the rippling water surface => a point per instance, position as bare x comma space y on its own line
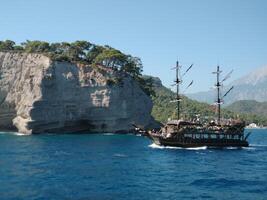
128, 167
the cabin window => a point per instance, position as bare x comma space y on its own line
205, 136
213, 136
93, 81
198, 136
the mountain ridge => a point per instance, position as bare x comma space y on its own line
249, 87
249, 107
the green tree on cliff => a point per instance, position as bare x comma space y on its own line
110, 57
133, 66
36, 46
7, 45
95, 50
76, 51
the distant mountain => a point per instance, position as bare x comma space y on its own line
250, 87
249, 107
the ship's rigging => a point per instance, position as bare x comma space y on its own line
178, 81
218, 85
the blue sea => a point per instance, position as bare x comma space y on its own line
107, 166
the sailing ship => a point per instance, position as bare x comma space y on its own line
188, 133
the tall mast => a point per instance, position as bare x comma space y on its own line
218, 85
177, 90
178, 81
219, 101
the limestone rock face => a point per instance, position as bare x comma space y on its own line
38, 95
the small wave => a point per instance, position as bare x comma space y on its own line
60, 153
155, 146
223, 182
120, 155
248, 148
201, 152
258, 145
108, 134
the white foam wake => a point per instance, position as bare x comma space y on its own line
198, 148
232, 148
155, 146
14, 133
20, 134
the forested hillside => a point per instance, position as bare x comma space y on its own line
164, 109
249, 107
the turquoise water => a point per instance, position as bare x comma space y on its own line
128, 167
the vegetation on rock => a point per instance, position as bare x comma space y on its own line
86, 53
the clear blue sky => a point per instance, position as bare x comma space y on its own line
232, 33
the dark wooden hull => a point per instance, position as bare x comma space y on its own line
219, 143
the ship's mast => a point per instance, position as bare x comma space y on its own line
178, 81
219, 100
218, 86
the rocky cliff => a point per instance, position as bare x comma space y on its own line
39, 95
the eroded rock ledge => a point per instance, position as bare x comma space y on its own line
38, 95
